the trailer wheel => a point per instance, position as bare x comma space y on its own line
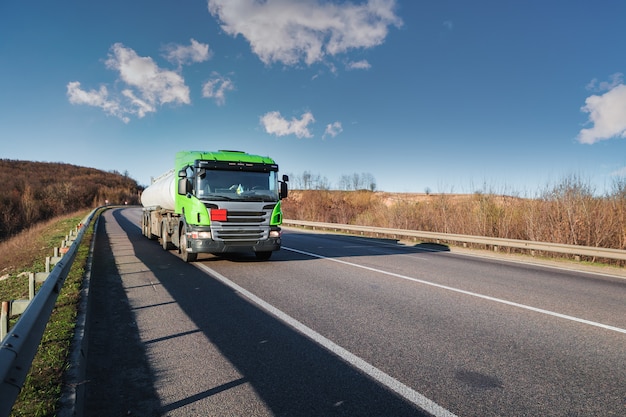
147, 231
144, 226
185, 256
167, 245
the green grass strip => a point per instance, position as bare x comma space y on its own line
41, 392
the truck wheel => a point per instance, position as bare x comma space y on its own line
147, 231
167, 245
145, 227
263, 256
185, 256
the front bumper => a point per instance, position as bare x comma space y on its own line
198, 244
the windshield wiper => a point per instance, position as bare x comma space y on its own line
216, 197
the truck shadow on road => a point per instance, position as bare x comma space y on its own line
289, 373
343, 246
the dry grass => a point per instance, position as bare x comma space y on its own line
29, 247
567, 213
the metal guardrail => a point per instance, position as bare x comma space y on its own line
19, 347
605, 253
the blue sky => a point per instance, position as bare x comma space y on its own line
451, 96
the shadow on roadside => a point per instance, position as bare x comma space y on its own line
291, 374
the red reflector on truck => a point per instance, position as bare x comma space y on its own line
218, 215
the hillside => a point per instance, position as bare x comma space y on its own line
31, 192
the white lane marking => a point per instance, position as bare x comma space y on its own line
481, 256
473, 294
386, 380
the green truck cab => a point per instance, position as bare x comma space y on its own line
216, 202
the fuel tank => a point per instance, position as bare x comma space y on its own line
161, 192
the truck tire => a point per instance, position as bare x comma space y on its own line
165, 242
185, 256
144, 226
147, 231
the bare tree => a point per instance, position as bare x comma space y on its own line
357, 181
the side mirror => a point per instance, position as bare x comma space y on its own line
284, 191
183, 186
285, 178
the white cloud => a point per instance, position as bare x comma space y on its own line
333, 130
275, 124
216, 88
154, 85
148, 86
141, 107
363, 64
616, 79
95, 98
181, 55
289, 31
607, 112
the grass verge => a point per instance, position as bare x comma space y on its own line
42, 389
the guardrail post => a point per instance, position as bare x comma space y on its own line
31, 285
52, 260
4, 320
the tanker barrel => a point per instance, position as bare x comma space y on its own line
161, 192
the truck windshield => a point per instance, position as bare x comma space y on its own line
237, 185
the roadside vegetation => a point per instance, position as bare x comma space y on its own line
37, 191
569, 212
26, 252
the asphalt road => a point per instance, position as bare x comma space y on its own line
345, 326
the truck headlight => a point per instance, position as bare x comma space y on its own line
275, 233
201, 235
204, 235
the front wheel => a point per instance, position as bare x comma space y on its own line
185, 256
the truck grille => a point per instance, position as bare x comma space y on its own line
243, 227
231, 234
245, 217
